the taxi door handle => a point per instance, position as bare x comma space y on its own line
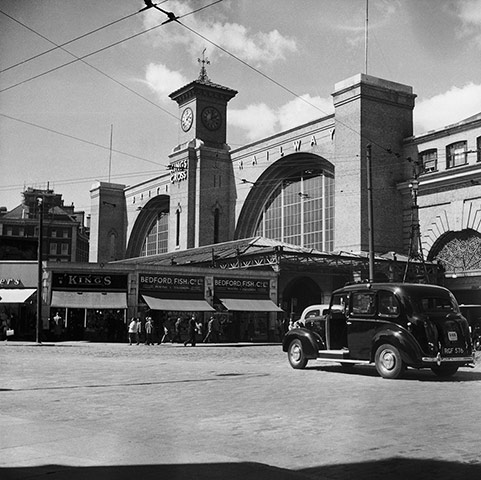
348, 323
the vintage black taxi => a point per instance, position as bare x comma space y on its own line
390, 325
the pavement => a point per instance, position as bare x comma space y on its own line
77, 410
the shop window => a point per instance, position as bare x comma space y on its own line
456, 154
429, 160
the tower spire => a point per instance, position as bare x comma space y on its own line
203, 71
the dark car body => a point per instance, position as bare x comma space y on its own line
389, 324
472, 313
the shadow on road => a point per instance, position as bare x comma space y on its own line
397, 469
424, 375
392, 469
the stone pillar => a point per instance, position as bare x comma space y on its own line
378, 112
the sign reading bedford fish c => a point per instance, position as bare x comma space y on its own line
255, 287
171, 283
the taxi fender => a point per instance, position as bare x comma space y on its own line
311, 342
406, 344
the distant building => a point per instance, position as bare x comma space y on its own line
65, 235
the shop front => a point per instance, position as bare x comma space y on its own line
18, 300
88, 305
169, 297
252, 314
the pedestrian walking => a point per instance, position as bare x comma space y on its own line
192, 330
212, 330
167, 329
149, 327
177, 328
134, 327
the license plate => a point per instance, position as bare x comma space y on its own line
453, 351
453, 336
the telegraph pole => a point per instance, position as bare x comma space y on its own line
370, 215
415, 245
38, 326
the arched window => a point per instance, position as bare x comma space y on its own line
458, 252
156, 240
300, 211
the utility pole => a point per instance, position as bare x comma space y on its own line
415, 246
370, 214
38, 326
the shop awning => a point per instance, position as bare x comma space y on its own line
250, 305
177, 305
100, 300
16, 295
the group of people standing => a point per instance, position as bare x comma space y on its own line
173, 332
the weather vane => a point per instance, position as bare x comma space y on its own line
203, 72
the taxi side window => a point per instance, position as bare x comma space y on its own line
363, 303
388, 304
312, 313
340, 303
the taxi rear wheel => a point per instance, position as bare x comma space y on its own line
445, 370
296, 356
388, 362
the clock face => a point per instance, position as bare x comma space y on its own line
211, 118
187, 118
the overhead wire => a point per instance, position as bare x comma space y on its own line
88, 142
68, 42
140, 33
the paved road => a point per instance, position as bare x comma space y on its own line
112, 411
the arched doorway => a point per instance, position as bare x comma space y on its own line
458, 252
300, 293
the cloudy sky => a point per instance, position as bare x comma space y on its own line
110, 80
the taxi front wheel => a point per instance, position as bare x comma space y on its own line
296, 356
388, 362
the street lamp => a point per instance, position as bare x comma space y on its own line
38, 325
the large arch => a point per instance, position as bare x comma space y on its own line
290, 166
144, 221
458, 252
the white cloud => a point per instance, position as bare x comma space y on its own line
261, 120
256, 47
258, 120
447, 108
300, 110
469, 11
163, 81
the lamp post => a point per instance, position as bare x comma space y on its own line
38, 326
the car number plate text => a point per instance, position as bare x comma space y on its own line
453, 336
453, 350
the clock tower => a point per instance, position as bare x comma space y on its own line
202, 193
